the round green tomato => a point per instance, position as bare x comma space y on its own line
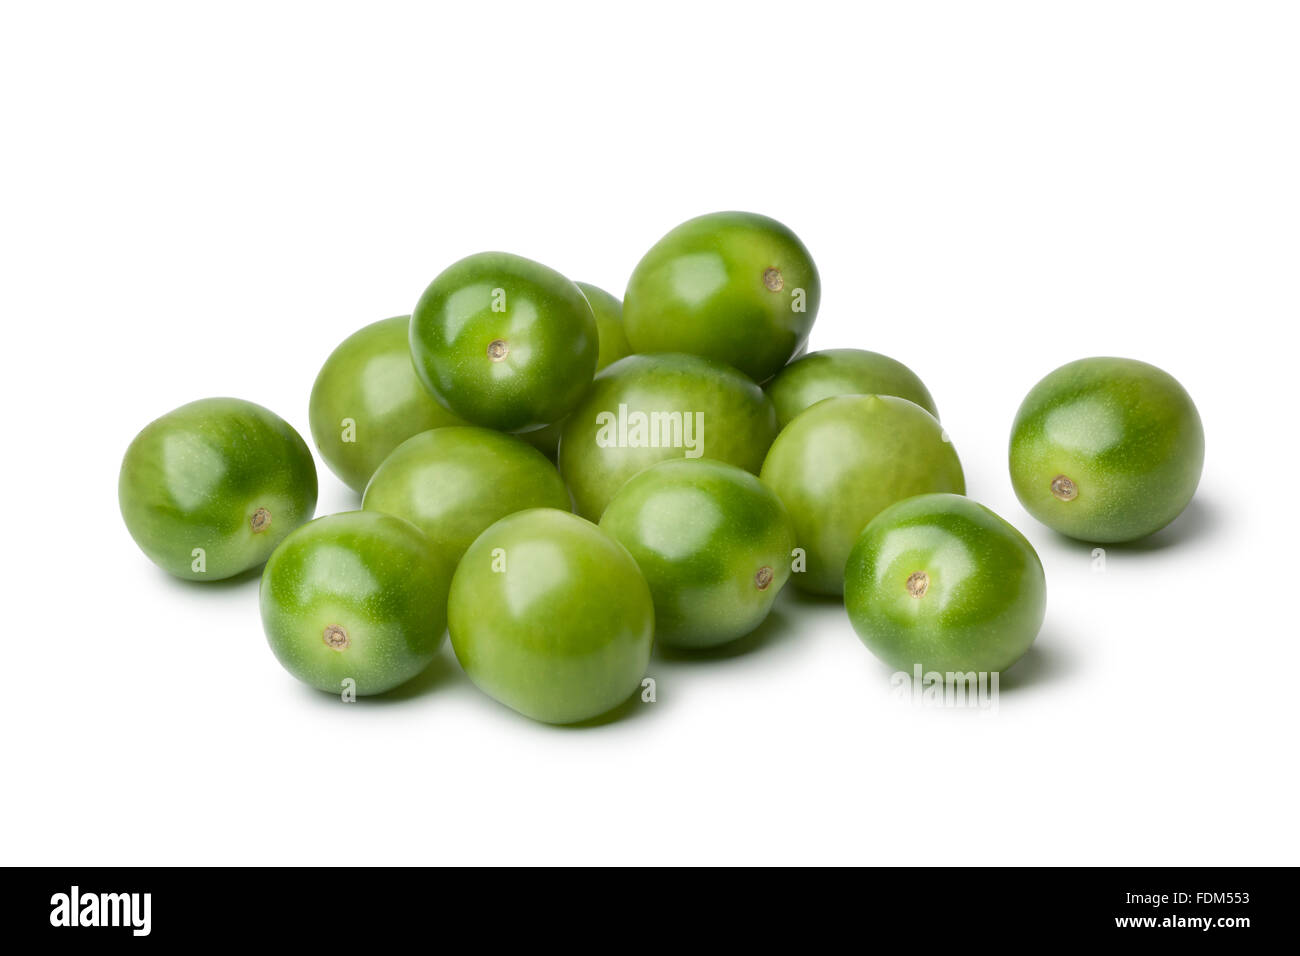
808, 380
367, 400
1106, 450
504, 342
355, 596
613, 346
452, 483
209, 489
550, 616
845, 459
713, 542
735, 287
941, 582
611, 337
648, 408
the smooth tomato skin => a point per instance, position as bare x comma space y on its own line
612, 343
978, 606
613, 346
826, 374
504, 342
453, 483
841, 462
1127, 437
367, 400
713, 542
357, 595
551, 616
222, 475
735, 287
739, 423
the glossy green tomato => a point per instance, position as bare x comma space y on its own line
452, 483
845, 459
356, 596
942, 582
209, 489
367, 400
613, 346
648, 408
611, 337
504, 342
551, 616
818, 375
713, 542
735, 287
1106, 450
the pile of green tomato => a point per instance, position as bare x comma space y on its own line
558, 479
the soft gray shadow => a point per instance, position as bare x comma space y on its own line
222, 586
800, 598
1199, 521
1045, 662
777, 627
631, 709
441, 672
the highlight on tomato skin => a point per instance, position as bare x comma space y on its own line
842, 461
208, 490
453, 483
714, 543
355, 604
613, 345
942, 583
367, 400
831, 372
504, 342
1106, 450
735, 287
551, 616
644, 409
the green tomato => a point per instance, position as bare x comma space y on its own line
452, 483
209, 489
735, 287
367, 400
610, 335
808, 380
1106, 450
942, 582
713, 542
504, 342
613, 346
841, 462
550, 616
648, 408
357, 596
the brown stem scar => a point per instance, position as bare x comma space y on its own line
497, 349
260, 520
918, 582
773, 279
763, 578
1064, 488
336, 638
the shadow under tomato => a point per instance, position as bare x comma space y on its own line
441, 672
1046, 662
631, 709
1199, 522
222, 586
780, 625
808, 599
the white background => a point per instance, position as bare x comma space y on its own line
203, 203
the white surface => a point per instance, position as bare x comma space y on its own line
205, 204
